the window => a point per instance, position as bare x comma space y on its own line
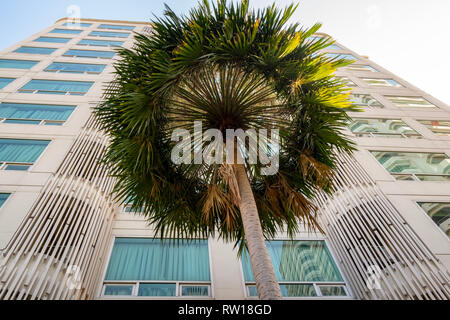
3, 198
340, 56
5, 81
439, 212
52, 40
34, 113
415, 165
74, 25
20, 155
66, 31
109, 34
65, 67
389, 128
359, 67
17, 64
303, 269
418, 102
115, 27
147, 267
79, 88
35, 50
382, 83
365, 100
348, 82
439, 127
90, 54
333, 47
100, 43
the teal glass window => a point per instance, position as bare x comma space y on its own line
34, 113
116, 27
57, 87
17, 64
52, 40
66, 31
118, 290
5, 81
421, 166
333, 47
439, 212
367, 127
298, 265
109, 34
90, 54
159, 268
382, 82
66, 67
341, 56
100, 43
155, 260
74, 25
3, 198
35, 50
21, 151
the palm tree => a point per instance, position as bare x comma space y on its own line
228, 67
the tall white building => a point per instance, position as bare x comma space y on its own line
63, 237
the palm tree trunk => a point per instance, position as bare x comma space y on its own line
266, 281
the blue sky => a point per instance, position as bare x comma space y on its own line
408, 37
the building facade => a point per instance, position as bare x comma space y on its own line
63, 237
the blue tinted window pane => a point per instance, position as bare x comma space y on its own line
109, 34
157, 290
58, 86
5, 81
118, 290
35, 50
195, 291
115, 27
90, 53
52, 39
75, 67
22, 151
66, 31
17, 167
341, 56
100, 43
154, 260
3, 197
17, 64
74, 25
334, 47
298, 290
307, 261
13, 121
35, 111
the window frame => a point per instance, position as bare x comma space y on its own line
101, 46
36, 62
428, 216
411, 176
7, 198
344, 284
43, 122
30, 165
88, 57
91, 34
75, 72
60, 93
44, 54
415, 135
134, 296
68, 39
